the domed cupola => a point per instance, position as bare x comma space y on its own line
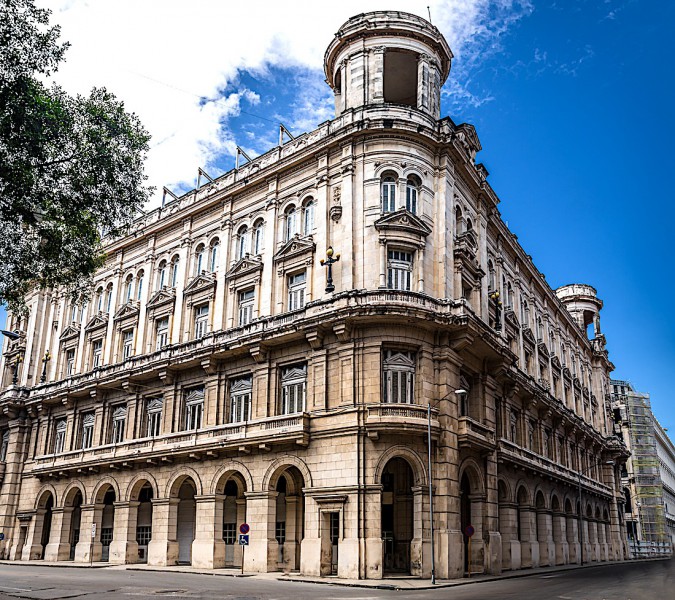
388, 57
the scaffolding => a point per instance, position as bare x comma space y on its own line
645, 466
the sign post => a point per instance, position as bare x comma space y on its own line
469, 531
244, 528
91, 546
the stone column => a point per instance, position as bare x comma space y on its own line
262, 552
508, 527
208, 547
374, 547
573, 539
163, 547
292, 528
562, 551
89, 549
58, 547
124, 548
529, 548
32, 549
241, 518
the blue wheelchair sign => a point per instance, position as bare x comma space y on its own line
243, 539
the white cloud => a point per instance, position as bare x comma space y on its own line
170, 60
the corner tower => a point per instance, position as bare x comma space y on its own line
388, 57
583, 304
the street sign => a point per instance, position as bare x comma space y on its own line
469, 531
2, 536
243, 539
244, 528
93, 531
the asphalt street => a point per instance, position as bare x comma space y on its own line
630, 581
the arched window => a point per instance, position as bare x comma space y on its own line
99, 299
388, 194
242, 242
291, 222
129, 289
469, 225
459, 225
139, 285
73, 313
308, 217
161, 275
108, 297
492, 279
175, 264
258, 240
213, 257
411, 192
200, 259
509, 295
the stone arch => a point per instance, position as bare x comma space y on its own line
569, 507
410, 456
597, 512
413, 170
41, 497
540, 499
605, 515
504, 491
230, 468
100, 490
69, 493
555, 502
138, 482
280, 465
473, 471
523, 496
177, 479
589, 511
308, 194
388, 168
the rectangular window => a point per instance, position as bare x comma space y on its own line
398, 377
399, 270
70, 362
119, 419
246, 301
60, 436
280, 532
230, 533
240, 403
97, 353
154, 411
201, 320
296, 290
4, 445
127, 343
194, 409
87, 430
293, 388
143, 535
162, 331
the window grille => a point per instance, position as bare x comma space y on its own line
230, 533
399, 270
154, 412
240, 404
296, 290
280, 532
293, 388
246, 302
194, 409
398, 377
143, 535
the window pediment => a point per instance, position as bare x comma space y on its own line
555, 361
403, 221
203, 281
244, 267
70, 332
296, 247
98, 321
543, 350
128, 311
466, 135
511, 319
528, 336
161, 302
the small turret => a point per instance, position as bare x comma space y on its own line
388, 57
583, 304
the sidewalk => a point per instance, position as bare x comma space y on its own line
390, 583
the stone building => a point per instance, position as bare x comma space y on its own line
214, 377
648, 478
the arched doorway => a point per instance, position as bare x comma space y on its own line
234, 513
75, 521
107, 523
47, 504
144, 521
186, 520
397, 515
465, 515
289, 528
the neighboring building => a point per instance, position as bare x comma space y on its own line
210, 380
666, 451
652, 455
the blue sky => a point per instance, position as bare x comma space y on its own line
572, 99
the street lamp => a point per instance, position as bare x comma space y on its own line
328, 262
45, 360
459, 392
494, 296
581, 510
13, 336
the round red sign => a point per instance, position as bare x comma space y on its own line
469, 531
244, 528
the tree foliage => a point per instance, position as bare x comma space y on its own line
70, 166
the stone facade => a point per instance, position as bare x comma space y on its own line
211, 379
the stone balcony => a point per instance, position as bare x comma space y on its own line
202, 443
400, 419
509, 452
472, 434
